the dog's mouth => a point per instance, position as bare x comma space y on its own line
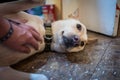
72, 41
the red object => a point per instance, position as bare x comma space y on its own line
49, 13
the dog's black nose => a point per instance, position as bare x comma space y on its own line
75, 39
72, 41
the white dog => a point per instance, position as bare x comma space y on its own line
68, 36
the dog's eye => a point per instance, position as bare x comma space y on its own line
79, 27
82, 43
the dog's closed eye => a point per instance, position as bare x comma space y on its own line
79, 27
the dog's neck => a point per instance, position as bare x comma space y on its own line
48, 37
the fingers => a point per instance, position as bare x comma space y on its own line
36, 36
33, 43
34, 30
32, 38
24, 49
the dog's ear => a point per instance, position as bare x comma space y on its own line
92, 40
75, 14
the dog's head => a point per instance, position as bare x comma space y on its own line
68, 35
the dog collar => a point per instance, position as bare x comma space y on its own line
48, 37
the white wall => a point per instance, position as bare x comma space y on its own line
99, 15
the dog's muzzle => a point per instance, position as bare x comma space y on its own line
72, 41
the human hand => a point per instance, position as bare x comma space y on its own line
22, 37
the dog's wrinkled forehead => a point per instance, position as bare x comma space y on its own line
73, 25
